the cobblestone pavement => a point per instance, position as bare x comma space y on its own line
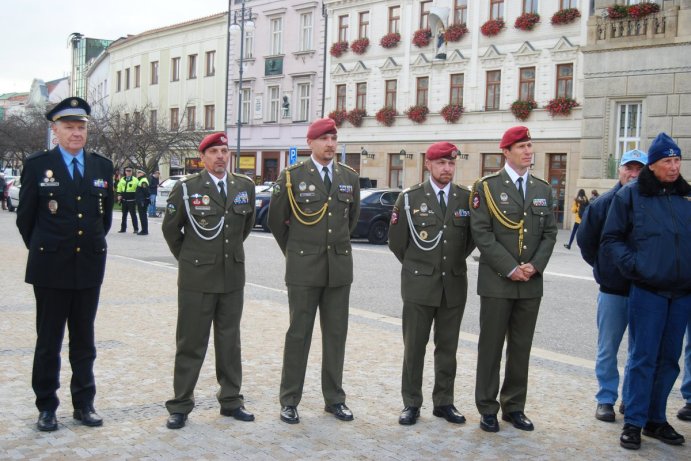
135, 331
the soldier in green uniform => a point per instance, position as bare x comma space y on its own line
208, 217
313, 210
430, 236
514, 228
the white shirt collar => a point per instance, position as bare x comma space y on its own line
216, 180
514, 176
436, 189
319, 167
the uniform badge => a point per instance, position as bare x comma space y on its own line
504, 197
302, 186
345, 188
476, 200
49, 174
423, 235
74, 103
241, 199
277, 189
312, 188
394, 216
196, 201
423, 208
53, 207
171, 209
203, 222
206, 200
539, 202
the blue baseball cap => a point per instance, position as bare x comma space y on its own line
634, 155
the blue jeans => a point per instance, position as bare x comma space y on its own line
686, 383
656, 332
152, 205
612, 320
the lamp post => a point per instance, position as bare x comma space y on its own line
240, 20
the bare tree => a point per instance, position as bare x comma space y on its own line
21, 135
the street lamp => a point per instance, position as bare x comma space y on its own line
240, 20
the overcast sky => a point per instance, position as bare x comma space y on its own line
34, 33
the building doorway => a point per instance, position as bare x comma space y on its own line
557, 180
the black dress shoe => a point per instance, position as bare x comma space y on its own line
449, 413
409, 416
489, 423
122, 231
605, 412
176, 421
239, 413
685, 412
47, 422
664, 433
340, 411
289, 414
630, 437
88, 417
519, 420
142, 233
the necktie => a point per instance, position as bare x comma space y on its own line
327, 179
520, 189
76, 175
442, 202
221, 186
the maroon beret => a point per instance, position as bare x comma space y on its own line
214, 139
320, 127
514, 135
441, 149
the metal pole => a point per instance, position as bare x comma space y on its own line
242, 53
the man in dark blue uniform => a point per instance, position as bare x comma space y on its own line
65, 212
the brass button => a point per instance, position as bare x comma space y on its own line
78, 249
80, 216
301, 252
81, 232
525, 247
79, 197
329, 231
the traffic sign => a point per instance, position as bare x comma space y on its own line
293, 158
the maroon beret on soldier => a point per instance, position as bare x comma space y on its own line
214, 139
321, 127
514, 135
441, 149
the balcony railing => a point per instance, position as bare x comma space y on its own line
659, 25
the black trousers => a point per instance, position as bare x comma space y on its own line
129, 207
142, 210
56, 308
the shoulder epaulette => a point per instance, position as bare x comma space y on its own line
292, 167
348, 167
38, 154
491, 175
412, 188
462, 187
187, 178
243, 176
539, 179
101, 156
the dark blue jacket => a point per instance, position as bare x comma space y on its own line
648, 234
606, 273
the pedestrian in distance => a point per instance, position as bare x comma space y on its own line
612, 311
3, 191
684, 412
65, 211
594, 194
208, 217
580, 203
141, 198
313, 210
127, 191
430, 235
154, 181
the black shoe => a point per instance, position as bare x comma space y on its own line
340, 411
409, 416
122, 231
176, 421
239, 413
685, 413
47, 422
136, 231
449, 413
630, 437
88, 417
605, 412
142, 233
519, 420
567, 246
289, 414
622, 408
489, 423
664, 433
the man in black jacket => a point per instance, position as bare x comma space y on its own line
65, 211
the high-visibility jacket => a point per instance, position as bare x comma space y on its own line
127, 186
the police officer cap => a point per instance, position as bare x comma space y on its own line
514, 135
662, 146
212, 140
441, 149
72, 108
321, 127
634, 155
140, 172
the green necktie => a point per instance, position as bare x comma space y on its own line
442, 202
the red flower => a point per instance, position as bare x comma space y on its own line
386, 116
390, 40
338, 116
360, 45
561, 106
492, 27
455, 32
643, 9
422, 37
527, 21
565, 16
338, 48
521, 109
617, 11
452, 112
417, 113
355, 116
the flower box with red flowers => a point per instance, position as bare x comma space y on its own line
527, 21
565, 16
338, 116
492, 27
386, 116
452, 112
356, 116
422, 37
390, 40
561, 106
417, 113
521, 109
338, 48
455, 32
617, 11
642, 10
360, 45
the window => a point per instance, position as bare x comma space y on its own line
456, 90
424, 13
493, 90
127, 78
154, 72
249, 44
460, 11
209, 117
274, 104
210, 63
137, 118
569, 4
137, 76
395, 171
361, 97
491, 163
153, 119
496, 9
340, 97
192, 66
118, 80
174, 118
343, 28
305, 31
363, 24
530, 6
175, 69
246, 105
394, 19
526, 88
303, 102
565, 81
628, 128
390, 97
191, 118
421, 91
276, 36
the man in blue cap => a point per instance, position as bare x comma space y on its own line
647, 235
65, 211
612, 312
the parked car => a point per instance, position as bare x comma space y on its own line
375, 214
263, 197
163, 191
12, 189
